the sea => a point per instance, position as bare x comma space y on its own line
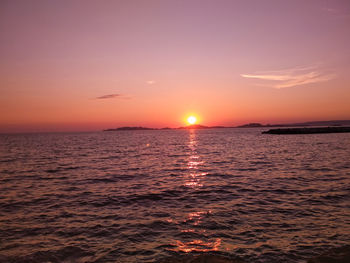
144, 196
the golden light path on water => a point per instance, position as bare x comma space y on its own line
141, 196
193, 180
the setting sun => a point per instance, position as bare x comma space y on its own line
191, 120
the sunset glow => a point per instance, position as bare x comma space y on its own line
174, 130
92, 65
192, 120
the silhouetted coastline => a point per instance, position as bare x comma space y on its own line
337, 123
194, 126
130, 129
198, 126
308, 130
252, 125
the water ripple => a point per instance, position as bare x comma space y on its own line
147, 195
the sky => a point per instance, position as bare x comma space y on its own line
91, 65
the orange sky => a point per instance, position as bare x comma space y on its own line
91, 65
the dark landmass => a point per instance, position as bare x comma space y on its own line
251, 125
130, 129
323, 123
308, 130
299, 124
194, 126
198, 126
337, 123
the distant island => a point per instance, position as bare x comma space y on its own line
337, 123
130, 129
189, 127
198, 126
298, 124
251, 125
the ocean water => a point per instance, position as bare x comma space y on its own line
140, 196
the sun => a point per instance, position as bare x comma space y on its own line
191, 120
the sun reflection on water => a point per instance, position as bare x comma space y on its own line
193, 178
197, 245
192, 223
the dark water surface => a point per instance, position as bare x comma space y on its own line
139, 196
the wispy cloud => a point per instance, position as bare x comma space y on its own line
112, 96
109, 96
291, 77
150, 82
266, 77
342, 13
330, 10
